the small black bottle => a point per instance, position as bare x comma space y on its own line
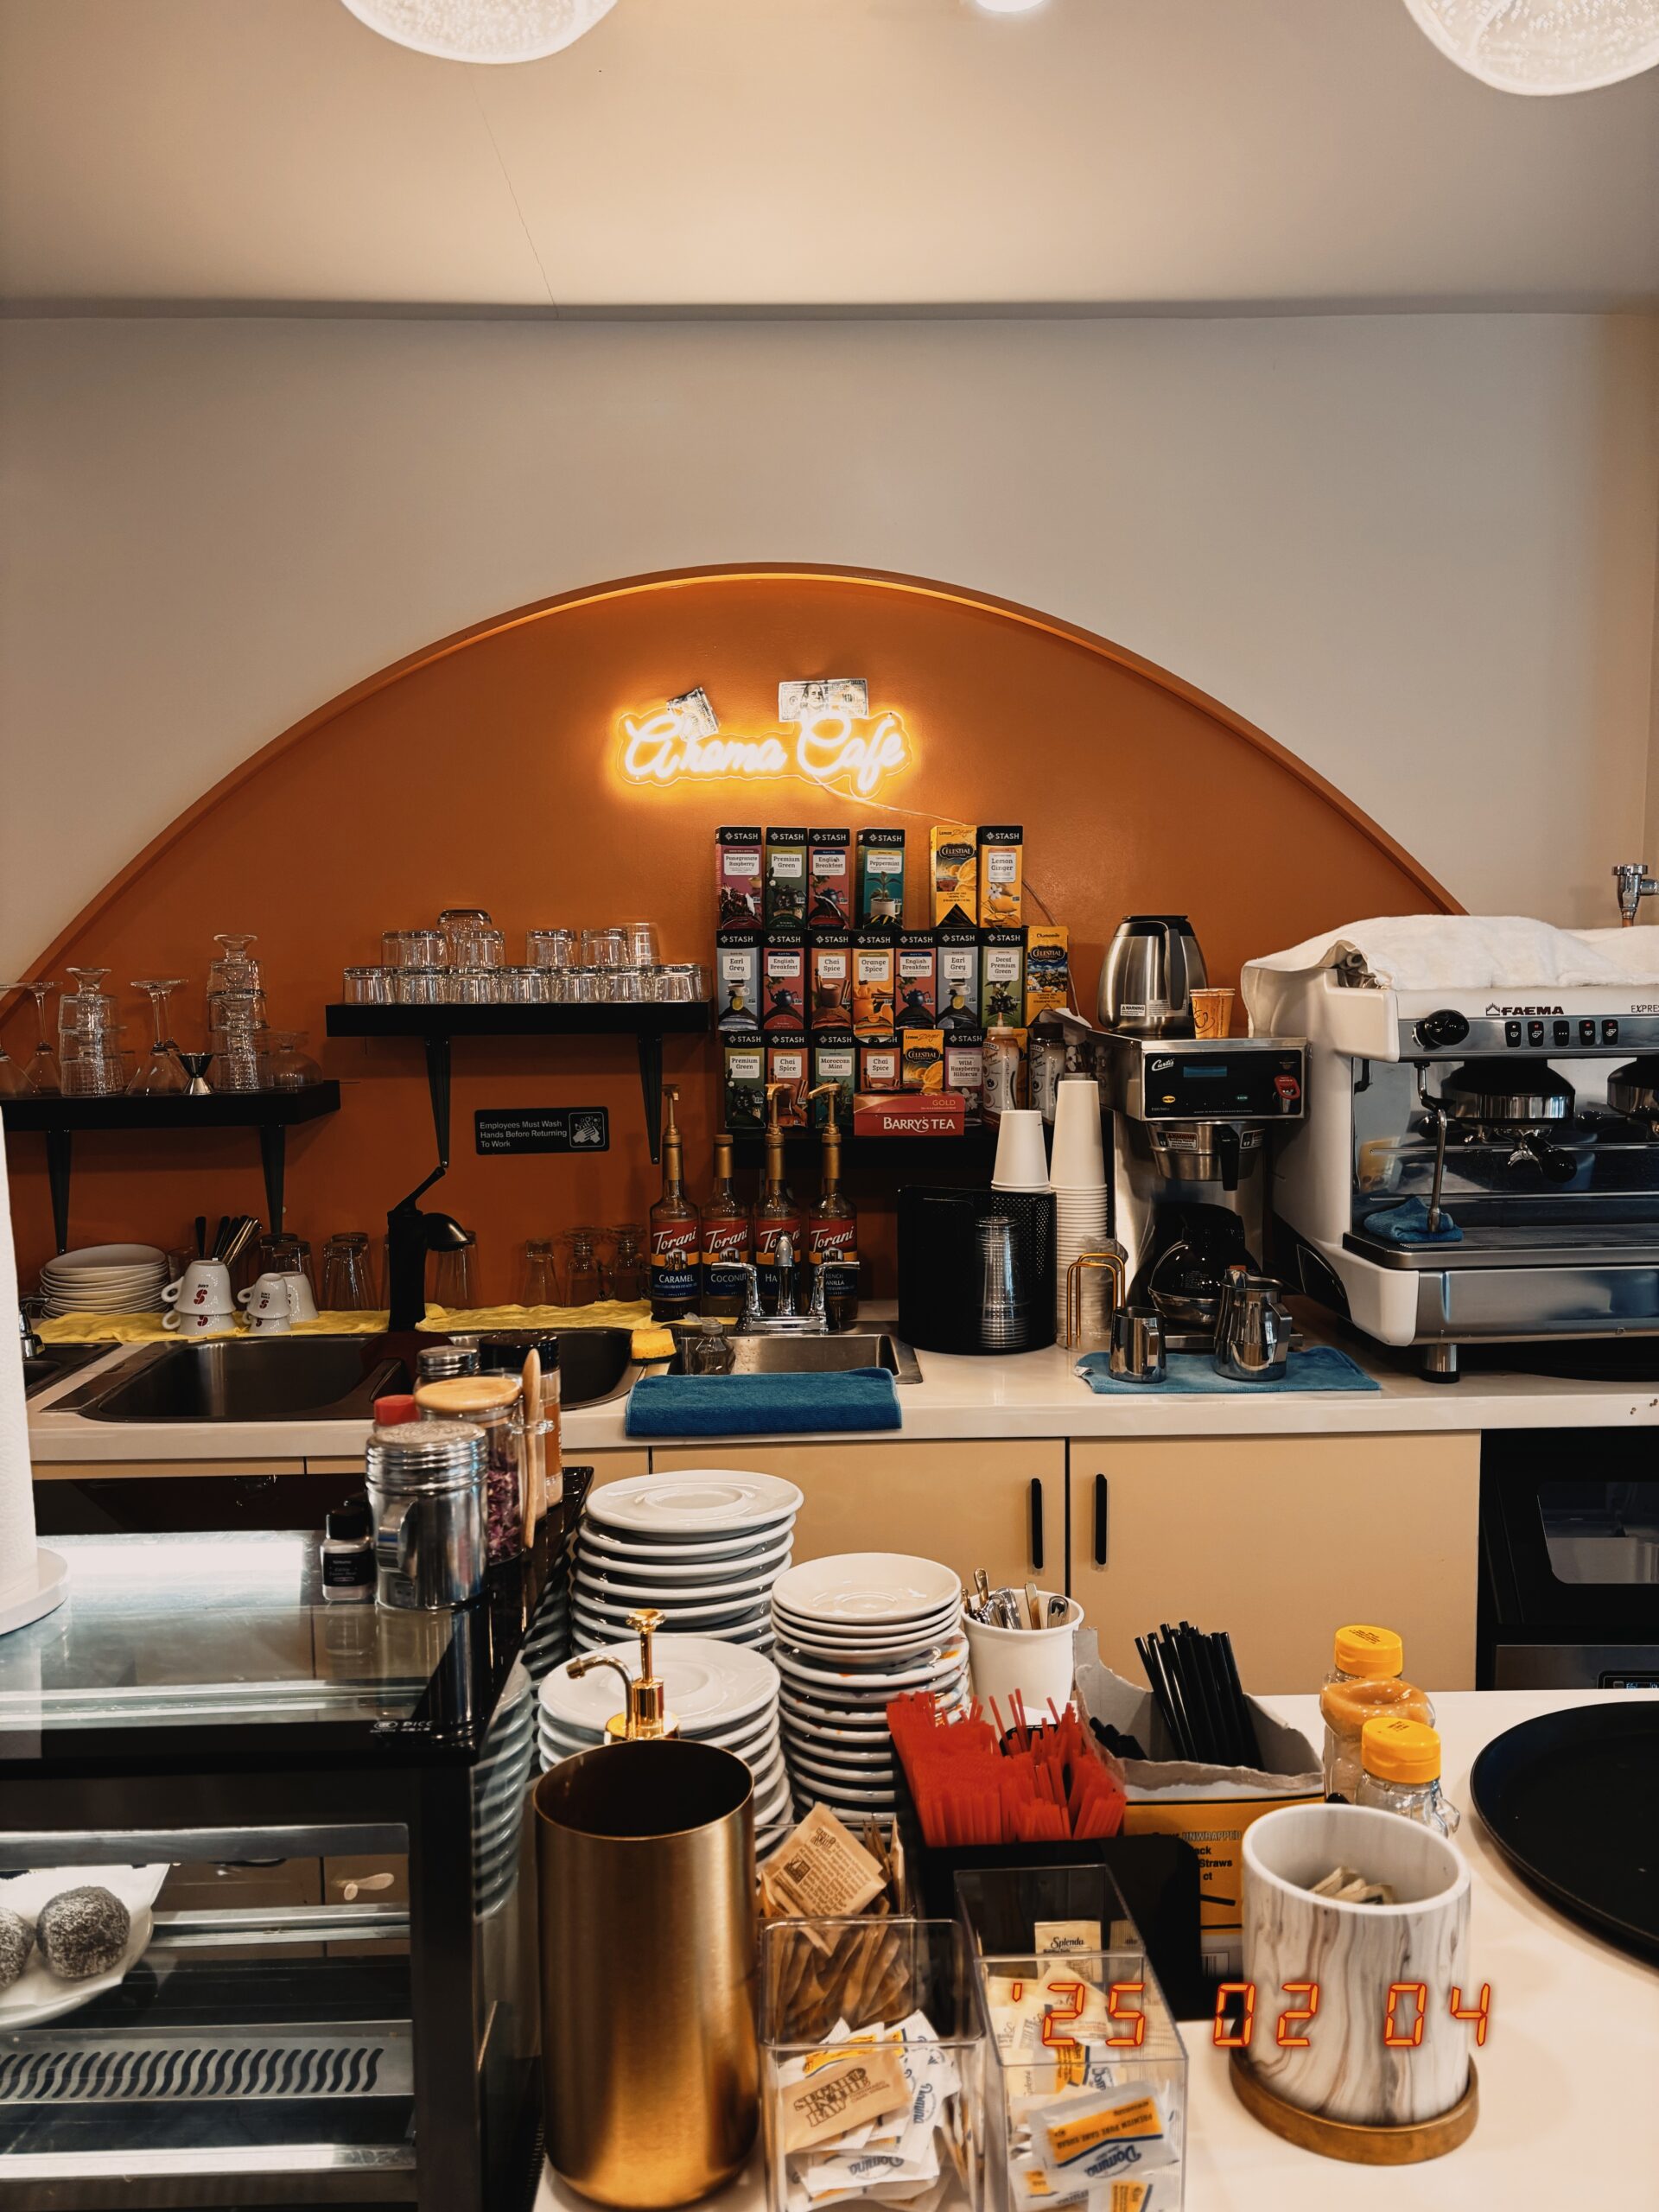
348, 1555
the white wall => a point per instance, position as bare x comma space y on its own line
1418, 550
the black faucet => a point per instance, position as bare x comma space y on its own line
410, 1235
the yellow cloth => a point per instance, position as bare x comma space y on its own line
146, 1328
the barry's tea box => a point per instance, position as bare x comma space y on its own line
880, 855
829, 879
1047, 971
1001, 875
953, 858
740, 878
786, 859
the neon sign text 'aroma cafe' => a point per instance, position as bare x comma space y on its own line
828, 745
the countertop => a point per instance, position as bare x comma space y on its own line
1026, 1394
1568, 2108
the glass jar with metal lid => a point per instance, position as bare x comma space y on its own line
492, 1401
426, 1487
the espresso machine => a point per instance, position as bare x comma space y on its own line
1190, 1123
1482, 1165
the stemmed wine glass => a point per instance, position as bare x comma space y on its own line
163, 1073
38, 1077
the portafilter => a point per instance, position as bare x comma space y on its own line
1633, 1089
1519, 1098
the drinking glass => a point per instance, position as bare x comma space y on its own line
626, 1277
425, 948
550, 948
455, 1278
421, 986
643, 950
605, 948
475, 986
235, 1063
620, 986
368, 987
235, 971
348, 1273
679, 984
12, 1074
541, 1279
460, 917
580, 986
38, 1075
523, 986
394, 948
161, 1074
583, 1283
287, 1065
93, 1066
476, 944
282, 1253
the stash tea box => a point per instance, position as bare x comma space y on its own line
880, 1067
739, 878
907, 1114
835, 1059
915, 987
1001, 875
953, 854
882, 879
830, 879
922, 1059
783, 980
737, 981
964, 1070
745, 1085
1002, 978
785, 856
957, 963
789, 1064
873, 1008
830, 956
1047, 971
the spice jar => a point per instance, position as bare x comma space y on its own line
1400, 1773
491, 1404
1366, 1678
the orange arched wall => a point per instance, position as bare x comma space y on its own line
481, 770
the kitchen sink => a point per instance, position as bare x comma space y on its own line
52, 1362
831, 1355
283, 1378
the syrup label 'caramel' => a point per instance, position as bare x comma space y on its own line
864, 2086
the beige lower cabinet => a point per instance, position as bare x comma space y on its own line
608, 1466
1280, 1540
1001, 1506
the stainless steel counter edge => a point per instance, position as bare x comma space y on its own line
1029, 1394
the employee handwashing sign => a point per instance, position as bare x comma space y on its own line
825, 735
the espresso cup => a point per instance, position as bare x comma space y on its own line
200, 1324
204, 1288
272, 1296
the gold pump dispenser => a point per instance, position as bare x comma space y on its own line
647, 1717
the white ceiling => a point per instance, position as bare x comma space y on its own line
785, 154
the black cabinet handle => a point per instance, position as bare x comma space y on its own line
1036, 1523
1100, 1520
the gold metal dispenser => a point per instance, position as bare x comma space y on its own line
644, 1850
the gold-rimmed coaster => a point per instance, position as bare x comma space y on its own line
1404, 2143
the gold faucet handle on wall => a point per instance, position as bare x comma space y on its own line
647, 1716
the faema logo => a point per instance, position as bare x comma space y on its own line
1525, 1009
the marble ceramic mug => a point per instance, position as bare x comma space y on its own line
1356, 1953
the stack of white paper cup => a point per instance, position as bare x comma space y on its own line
1078, 1172
1021, 1162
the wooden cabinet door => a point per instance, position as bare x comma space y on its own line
1280, 1540
609, 1467
998, 1506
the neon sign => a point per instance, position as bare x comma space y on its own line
821, 738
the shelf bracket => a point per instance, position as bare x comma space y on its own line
651, 1081
59, 1147
273, 1158
437, 1083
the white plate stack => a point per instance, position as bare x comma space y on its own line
105, 1278
1081, 1204
703, 1546
718, 1693
855, 1630
500, 1779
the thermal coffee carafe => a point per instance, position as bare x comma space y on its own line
1152, 967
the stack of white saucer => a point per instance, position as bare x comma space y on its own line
703, 1546
717, 1693
1077, 1175
855, 1630
105, 1278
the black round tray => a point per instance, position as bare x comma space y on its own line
1571, 1800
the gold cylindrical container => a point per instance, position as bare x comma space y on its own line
645, 1862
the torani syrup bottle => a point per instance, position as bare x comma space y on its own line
776, 1216
673, 1232
832, 1226
727, 1240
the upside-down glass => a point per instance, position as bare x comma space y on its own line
580, 986
235, 973
583, 1284
550, 948
476, 944
475, 986
348, 1273
368, 986
626, 1277
541, 1279
286, 1064
282, 1253
605, 948
455, 1278
236, 1036
644, 950
421, 986
413, 948
620, 986
524, 985
160, 1073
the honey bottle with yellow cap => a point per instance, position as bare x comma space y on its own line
1367, 1677
1399, 1763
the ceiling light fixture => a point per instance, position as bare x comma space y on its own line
1008, 7
482, 31
1544, 46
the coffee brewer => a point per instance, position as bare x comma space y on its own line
1189, 1117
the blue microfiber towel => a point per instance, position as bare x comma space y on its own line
762, 1405
1408, 1223
1192, 1373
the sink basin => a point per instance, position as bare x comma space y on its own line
281, 1378
832, 1355
51, 1365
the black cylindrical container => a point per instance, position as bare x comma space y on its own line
944, 1251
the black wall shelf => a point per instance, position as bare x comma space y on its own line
437, 1026
272, 1113
974, 1149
